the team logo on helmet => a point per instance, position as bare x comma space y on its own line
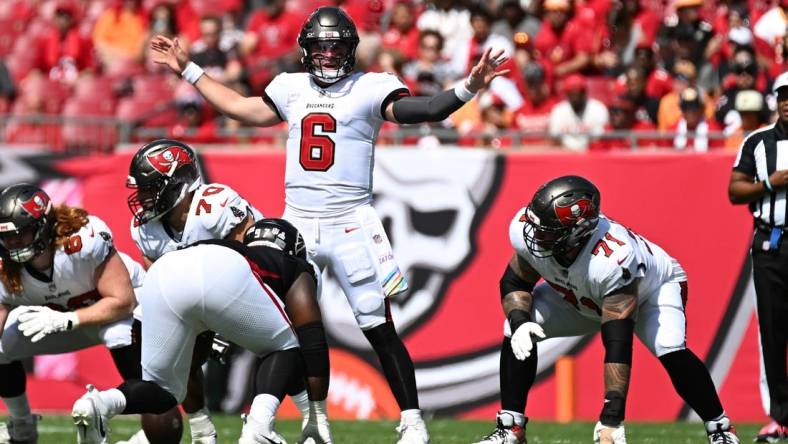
37, 205
169, 159
573, 212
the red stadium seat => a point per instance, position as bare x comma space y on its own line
153, 86
87, 134
95, 87
124, 69
147, 111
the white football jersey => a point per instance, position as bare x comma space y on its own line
611, 259
331, 138
73, 283
215, 210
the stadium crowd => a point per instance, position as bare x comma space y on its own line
587, 74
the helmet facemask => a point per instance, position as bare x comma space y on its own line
39, 234
154, 200
545, 241
329, 60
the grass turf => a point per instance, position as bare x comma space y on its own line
58, 429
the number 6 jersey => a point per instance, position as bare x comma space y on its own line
331, 138
612, 258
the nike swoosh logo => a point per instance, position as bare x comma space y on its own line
621, 261
224, 203
351, 229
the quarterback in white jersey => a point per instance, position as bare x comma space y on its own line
599, 276
64, 288
172, 209
333, 116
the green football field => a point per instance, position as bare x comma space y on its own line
58, 429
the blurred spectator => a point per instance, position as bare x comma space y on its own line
162, 21
7, 89
627, 25
270, 38
730, 34
669, 112
622, 119
633, 85
534, 115
685, 35
453, 21
495, 118
392, 61
771, 26
193, 125
749, 105
66, 50
429, 73
402, 33
482, 38
745, 76
513, 19
120, 32
692, 129
564, 41
366, 14
575, 120
658, 81
222, 64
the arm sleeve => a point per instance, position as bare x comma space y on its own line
745, 159
427, 109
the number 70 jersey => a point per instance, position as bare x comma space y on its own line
331, 137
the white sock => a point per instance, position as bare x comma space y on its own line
264, 406
711, 426
301, 400
519, 418
412, 415
18, 407
200, 423
114, 400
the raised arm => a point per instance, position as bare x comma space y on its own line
250, 110
618, 323
438, 107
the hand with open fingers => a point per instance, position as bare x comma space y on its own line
522, 343
41, 321
169, 52
485, 71
609, 435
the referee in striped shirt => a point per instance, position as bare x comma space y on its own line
760, 179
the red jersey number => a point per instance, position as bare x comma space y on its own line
317, 150
73, 244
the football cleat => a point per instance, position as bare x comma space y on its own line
413, 431
506, 431
20, 430
772, 432
90, 418
724, 436
202, 430
256, 432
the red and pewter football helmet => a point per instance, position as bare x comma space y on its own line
561, 216
328, 43
162, 172
26, 221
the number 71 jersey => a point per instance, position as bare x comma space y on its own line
331, 137
613, 257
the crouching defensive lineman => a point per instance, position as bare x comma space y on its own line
596, 271
260, 295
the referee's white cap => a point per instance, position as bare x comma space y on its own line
780, 81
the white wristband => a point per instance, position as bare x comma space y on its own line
463, 93
192, 73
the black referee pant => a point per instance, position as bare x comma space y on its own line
770, 276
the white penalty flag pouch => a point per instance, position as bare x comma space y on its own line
391, 278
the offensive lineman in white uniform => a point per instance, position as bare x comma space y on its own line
172, 208
64, 288
596, 271
261, 295
334, 115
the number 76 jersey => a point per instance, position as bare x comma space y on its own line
613, 257
331, 137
